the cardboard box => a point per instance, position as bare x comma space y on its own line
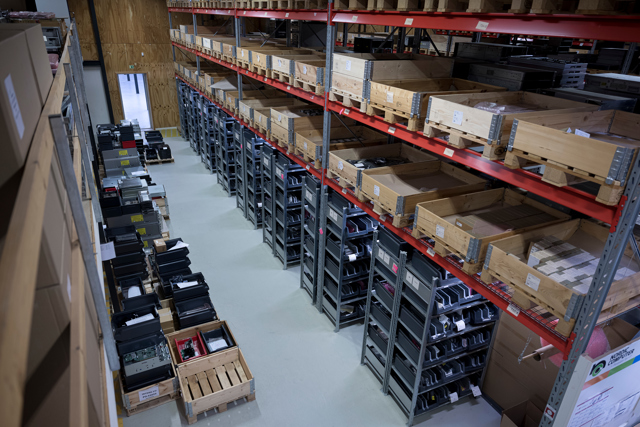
160, 245
525, 414
20, 104
38, 54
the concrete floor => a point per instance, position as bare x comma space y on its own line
306, 375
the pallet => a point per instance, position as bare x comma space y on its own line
308, 87
399, 5
478, 6
317, 164
262, 129
399, 221
260, 4
464, 140
348, 100
151, 396
159, 161
532, 288
393, 116
281, 77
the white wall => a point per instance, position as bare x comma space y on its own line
96, 96
58, 6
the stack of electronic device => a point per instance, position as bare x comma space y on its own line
171, 262
141, 344
622, 85
116, 161
191, 299
106, 136
129, 264
156, 149
127, 137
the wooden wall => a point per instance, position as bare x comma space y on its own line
135, 39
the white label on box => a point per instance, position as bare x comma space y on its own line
408, 21
354, 18
391, 130
457, 117
513, 309
460, 325
107, 251
583, 133
381, 254
416, 283
279, 62
409, 277
344, 191
242, 53
482, 25
376, 190
279, 117
286, 15
389, 96
532, 281
387, 258
333, 214
266, 161
440, 231
431, 252
309, 196
448, 152
453, 397
305, 145
347, 66
340, 165
257, 58
352, 257
15, 107
308, 167
476, 391
304, 69
149, 393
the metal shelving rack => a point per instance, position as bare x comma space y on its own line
241, 189
226, 173
193, 121
288, 179
621, 217
253, 176
183, 103
208, 135
311, 193
344, 261
268, 195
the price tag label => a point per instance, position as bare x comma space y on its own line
344, 191
448, 152
408, 21
266, 14
308, 167
513, 309
440, 231
354, 18
457, 117
482, 25
286, 15
476, 391
376, 190
392, 130
453, 397
288, 87
431, 252
333, 214
532, 281
346, 111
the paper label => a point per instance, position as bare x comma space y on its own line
145, 244
122, 153
308, 167
344, 191
340, 165
347, 111
354, 18
142, 231
305, 145
482, 25
137, 218
376, 190
304, 69
513, 309
279, 117
242, 53
286, 15
453, 397
347, 66
266, 161
352, 257
476, 391
389, 96
448, 152
583, 133
457, 117
309, 196
333, 214
460, 325
431, 252
532, 281
149, 393
408, 21
440, 231
107, 251
391, 130
257, 58
279, 62
381, 254
387, 258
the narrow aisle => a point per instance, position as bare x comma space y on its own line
305, 374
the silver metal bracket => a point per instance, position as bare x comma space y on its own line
358, 178
473, 250
252, 385
320, 76
575, 302
494, 129
426, 118
416, 103
487, 258
127, 402
189, 408
400, 205
512, 135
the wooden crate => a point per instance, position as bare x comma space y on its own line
246, 107
602, 154
151, 396
507, 261
396, 190
457, 116
309, 143
213, 382
454, 223
282, 67
232, 102
309, 75
190, 332
263, 64
399, 100
350, 175
243, 54
262, 121
399, 5
286, 121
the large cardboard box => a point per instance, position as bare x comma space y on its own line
20, 104
525, 414
38, 54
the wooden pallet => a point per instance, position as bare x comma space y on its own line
561, 175
478, 6
246, 4
262, 129
281, 77
398, 220
280, 140
399, 5
308, 87
348, 100
393, 116
260, 4
463, 140
159, 161
259, 70
151, 396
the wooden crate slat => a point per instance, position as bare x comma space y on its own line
231, 372
221, 372
204, 383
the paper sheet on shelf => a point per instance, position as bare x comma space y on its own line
140, 319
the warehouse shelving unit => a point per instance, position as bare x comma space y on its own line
288, 178
621, 217
253, 176
207, 149
310, 236
268, 195
226, 174
241, 189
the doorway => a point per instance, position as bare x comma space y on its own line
135, 98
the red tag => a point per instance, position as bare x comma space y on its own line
395, 268
281, 176
320, 231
